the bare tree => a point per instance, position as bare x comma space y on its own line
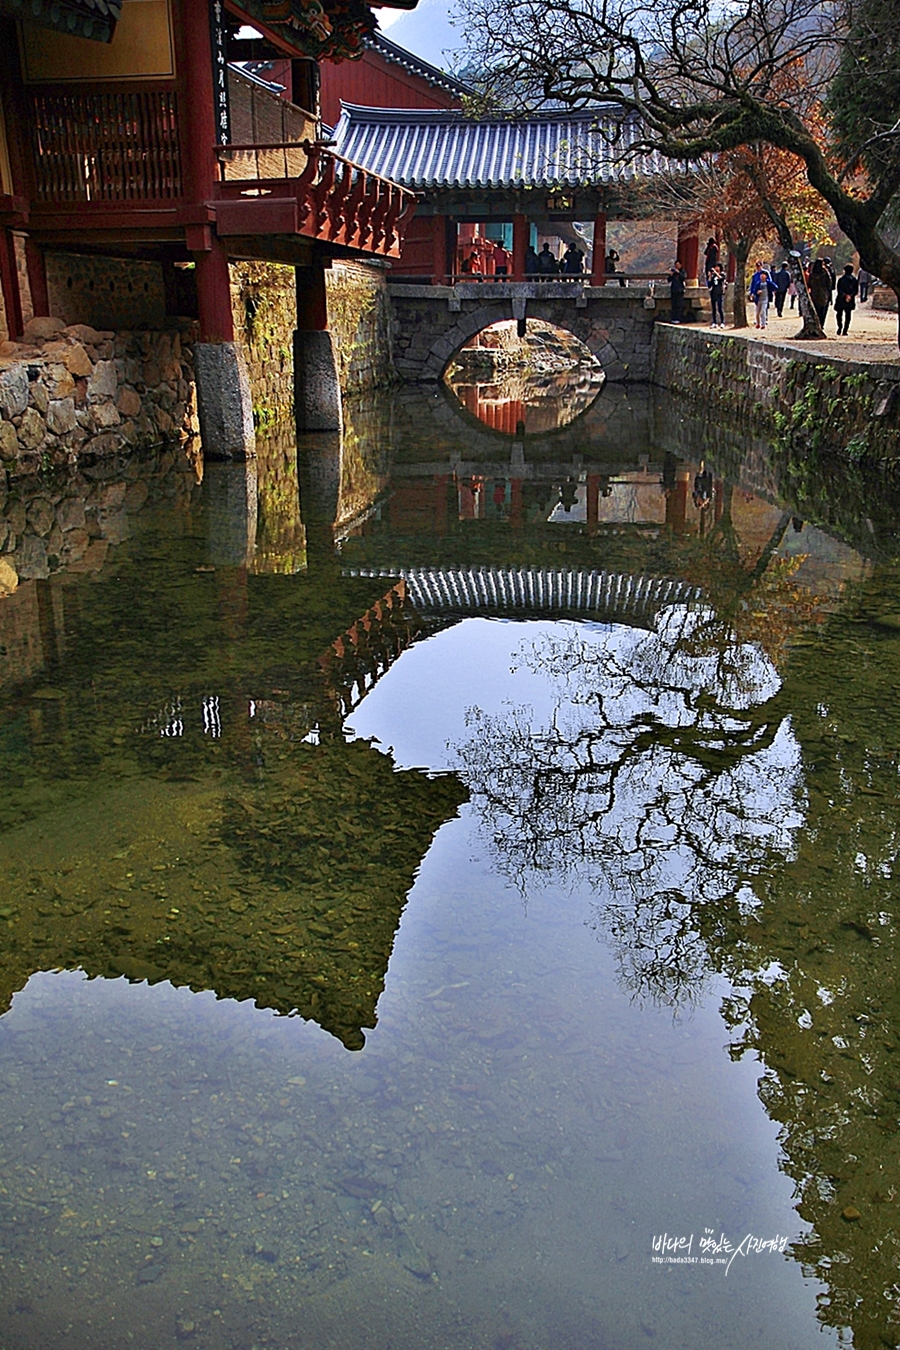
700, 80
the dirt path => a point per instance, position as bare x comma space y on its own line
873, 334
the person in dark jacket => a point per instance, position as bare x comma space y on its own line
820, 289
845, 300
677, 281
710, 256
573, 260
782, 281
716, 285
547, 264
532, 263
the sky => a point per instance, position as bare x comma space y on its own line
426, 31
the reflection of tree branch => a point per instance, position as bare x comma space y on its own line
652, 782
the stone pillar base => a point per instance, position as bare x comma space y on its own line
317, 390
224, 401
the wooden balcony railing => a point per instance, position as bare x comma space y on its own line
336, 200
111, 146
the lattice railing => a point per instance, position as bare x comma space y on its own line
111, 146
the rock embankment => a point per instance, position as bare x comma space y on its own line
69, 393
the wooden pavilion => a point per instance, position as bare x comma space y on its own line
515, 182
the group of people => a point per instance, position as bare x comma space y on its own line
546, 264
768, 286
497, 262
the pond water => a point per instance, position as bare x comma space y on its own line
447, 894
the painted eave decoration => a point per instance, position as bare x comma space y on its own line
94, 19
327, 30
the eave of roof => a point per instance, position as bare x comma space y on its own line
92, 19
398, 55
441, 148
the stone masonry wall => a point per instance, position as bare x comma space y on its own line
117, 293
70, 393
806, 401
359, 316
264, 308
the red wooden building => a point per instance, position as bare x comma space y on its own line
125, 133
387, 76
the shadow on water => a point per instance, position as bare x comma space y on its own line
698, 736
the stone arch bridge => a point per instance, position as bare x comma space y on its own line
431, 323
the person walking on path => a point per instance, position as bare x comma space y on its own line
677, 280
820, 289
782, 286
865, 280
845, 300
762, 290
716, 284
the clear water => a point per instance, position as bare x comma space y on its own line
435, 869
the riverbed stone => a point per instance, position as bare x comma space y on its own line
9, 578
103, 382
14, 390
9, 441
61, 416
41, 327
77, 362
32, 429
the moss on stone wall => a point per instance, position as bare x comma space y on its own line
264, 307
359, 316
807, 404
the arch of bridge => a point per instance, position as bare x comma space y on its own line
615, 327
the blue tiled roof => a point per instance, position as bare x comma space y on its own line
421, 148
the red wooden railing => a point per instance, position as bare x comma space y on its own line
111, 146
337, 200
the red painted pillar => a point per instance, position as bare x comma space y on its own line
598, 257
689, 250
214, 293
676, 505
312, 300
201, 170
441, 483
593, 502
37, 278
516, 504
9, 280
520, 246
439, 249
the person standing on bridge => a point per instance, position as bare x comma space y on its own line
677, 283
501, 261
547, 264
573, 261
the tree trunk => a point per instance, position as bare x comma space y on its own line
812, 328
740, 251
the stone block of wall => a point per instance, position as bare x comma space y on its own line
359, 316
264, 308
113, 293
72, 393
